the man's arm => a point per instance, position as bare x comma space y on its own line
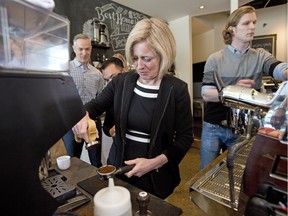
281, 71
211, 94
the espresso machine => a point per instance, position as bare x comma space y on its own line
250, 178
40, 102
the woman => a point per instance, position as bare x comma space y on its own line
152, 111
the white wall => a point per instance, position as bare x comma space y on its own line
182, 32
202, 45
275, 19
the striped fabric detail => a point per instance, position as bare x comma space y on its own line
138, 136
146, 91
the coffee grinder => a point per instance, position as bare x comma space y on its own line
103, 35
95, 24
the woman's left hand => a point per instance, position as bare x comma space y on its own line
144, 165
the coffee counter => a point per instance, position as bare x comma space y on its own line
84, 177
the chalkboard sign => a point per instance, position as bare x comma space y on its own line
118, 19
267, 42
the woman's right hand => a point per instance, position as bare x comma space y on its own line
112, 131
80, 129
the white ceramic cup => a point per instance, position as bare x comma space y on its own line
63, 162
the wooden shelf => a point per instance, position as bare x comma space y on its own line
99, 45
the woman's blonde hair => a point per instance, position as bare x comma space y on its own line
156, 33
233, 21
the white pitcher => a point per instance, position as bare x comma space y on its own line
112, 201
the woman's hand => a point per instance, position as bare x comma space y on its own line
112, 131
80, 129
144, 165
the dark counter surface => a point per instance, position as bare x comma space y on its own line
84, 177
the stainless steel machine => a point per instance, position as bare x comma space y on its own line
250, 178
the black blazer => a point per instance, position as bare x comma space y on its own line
108, 122
171, 132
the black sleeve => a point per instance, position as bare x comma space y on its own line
272, 67
108, 122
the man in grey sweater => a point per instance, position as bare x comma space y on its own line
237, 64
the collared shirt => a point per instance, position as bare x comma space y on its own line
88, 80
234, 50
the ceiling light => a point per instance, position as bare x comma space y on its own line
202, 7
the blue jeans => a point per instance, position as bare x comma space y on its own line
214, 138
74, 149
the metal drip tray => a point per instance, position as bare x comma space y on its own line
58, 188
215, 183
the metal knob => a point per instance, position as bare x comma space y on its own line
143, 199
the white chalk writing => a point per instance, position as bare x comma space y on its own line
120, 21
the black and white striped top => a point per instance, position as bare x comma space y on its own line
139, 120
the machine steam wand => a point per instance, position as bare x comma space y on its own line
256, 104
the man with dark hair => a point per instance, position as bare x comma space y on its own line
111, 68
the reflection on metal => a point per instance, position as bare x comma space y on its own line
279, 162
215, 184
32, 38
218, 187
249, 98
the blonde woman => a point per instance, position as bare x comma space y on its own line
152, 111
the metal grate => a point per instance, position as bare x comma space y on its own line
58, 188
216, 186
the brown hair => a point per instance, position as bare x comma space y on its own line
233, 21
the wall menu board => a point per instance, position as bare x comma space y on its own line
267, 42
119, 19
